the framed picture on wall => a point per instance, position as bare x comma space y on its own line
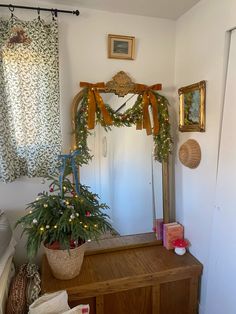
192, 99
121, 47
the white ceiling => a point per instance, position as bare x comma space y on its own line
170, 9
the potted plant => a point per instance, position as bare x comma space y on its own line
64, 219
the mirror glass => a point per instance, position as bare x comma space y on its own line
124, 174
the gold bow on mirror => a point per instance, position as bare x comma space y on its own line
94, 100
149, 98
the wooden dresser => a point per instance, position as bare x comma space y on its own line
136, 279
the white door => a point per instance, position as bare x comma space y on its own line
221, 291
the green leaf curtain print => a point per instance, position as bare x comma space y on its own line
30, 134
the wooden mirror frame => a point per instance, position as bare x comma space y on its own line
121, 85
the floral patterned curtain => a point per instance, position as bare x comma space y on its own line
30, 134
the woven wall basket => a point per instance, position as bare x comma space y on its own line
65, 266
190, 154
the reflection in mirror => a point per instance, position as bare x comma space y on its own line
122, 173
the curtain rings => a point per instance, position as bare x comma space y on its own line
39, 18
11, 8
54, 14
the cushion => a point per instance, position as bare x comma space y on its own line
5, 281
5, 233
19, 295
10, 251
33, 283
50, 303
56, 303
79, 309
16, 303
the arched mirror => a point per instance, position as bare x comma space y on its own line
123, 133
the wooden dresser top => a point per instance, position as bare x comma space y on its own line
108, 272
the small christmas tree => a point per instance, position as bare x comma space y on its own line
65, 217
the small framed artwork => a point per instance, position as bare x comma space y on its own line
192, 100
121, 47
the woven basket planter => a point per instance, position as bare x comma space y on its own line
190, 154
65, 264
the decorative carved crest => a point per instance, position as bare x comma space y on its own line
121, 85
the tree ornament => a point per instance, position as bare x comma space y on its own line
51, 189
62, 202
87, 214
35, 221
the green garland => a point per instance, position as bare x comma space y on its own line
162, 141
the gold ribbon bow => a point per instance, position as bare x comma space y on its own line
94, 100
149, 98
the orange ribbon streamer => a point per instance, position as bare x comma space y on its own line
149, 98
146, 116
94, 100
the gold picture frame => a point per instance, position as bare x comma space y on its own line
121, 47
192, 100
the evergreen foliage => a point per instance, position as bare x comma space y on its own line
64, 217
162, 141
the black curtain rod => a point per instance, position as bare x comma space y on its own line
11, 7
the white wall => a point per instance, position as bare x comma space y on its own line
201, 52
83, 57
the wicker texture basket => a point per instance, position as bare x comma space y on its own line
190, 154
65, 264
